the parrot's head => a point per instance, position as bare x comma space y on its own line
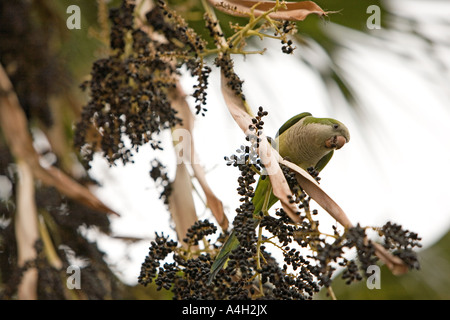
331, 133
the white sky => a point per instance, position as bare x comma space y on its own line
396, 168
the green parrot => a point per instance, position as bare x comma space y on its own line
303, 140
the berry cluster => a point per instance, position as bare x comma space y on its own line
314, 173
243, 224
199, 230
287, 46
225, 63
159, 175
201, 72
257, 126
184, 44
130, 91
212, 27
287, 27
401, 242
186, 275
159, 249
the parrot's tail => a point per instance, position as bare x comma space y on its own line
229, 245
263, 189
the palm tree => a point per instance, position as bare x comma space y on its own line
339, 52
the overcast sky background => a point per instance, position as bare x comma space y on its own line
396, 167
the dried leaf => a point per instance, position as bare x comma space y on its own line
26, 231
52, 176
15, 128
181, 202
313, 189
293, 11
212, 201
189, 155
395, 264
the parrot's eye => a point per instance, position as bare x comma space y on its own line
335, 126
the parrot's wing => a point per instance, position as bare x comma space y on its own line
261, 192
291, 122
262, 188
323, 162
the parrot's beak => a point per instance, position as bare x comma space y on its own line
336, 142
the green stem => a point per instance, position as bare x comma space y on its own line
49, 248
243, 33
258, 258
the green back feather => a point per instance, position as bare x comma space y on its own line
327, 121
291, 122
